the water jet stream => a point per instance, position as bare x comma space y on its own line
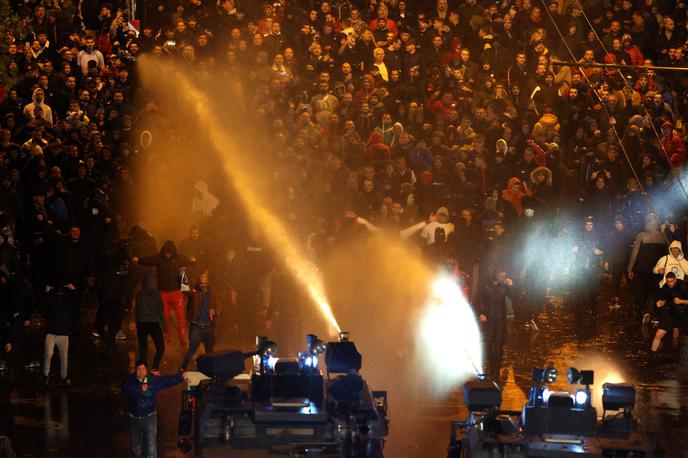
279, 238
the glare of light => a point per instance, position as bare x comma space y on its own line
283, 243
581, 398
606, 371
449, 337
546, 394
309, 361
271, 362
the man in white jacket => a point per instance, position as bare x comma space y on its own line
672, 262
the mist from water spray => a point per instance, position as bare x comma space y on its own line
449, 336
277, 235
406, 319
379, 287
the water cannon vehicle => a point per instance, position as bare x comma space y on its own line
285, 404
559, 424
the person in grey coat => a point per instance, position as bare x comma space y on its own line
648, 246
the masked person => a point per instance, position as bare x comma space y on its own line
588, 264
491, 309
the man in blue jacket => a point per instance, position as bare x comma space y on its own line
141, 388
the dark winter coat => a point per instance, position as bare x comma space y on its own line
74, 261
491, 300
168, 270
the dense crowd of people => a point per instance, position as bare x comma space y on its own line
484, 133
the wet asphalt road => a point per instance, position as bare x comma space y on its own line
89, 418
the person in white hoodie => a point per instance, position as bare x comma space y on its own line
204, 202
672, 262
38, 100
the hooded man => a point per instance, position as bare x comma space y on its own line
204, 202
514, 194
38, 100
170, 268
672, 262
430, 231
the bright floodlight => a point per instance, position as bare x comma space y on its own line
581, 398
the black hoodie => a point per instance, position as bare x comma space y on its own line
168, 269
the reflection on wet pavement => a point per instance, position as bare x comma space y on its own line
89, 418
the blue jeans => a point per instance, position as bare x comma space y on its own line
144, 434
198, 335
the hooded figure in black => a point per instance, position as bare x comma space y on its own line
491, 309
588, 266
141, 243
170, 268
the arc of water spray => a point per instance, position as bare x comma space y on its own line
279, 238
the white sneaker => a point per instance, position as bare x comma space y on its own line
533, 326
120, 336
3, 366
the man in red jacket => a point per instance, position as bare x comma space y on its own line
673, 145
